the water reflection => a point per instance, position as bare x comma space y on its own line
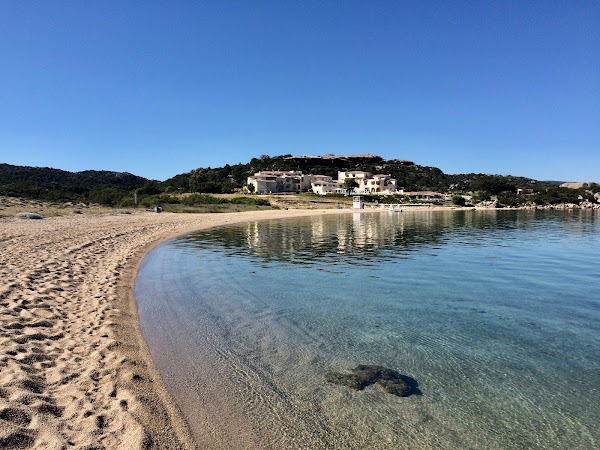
368, 238
494, 313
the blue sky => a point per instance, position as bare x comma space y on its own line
158, 88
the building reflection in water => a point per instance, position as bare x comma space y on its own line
359, 238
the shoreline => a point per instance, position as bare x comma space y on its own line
127, 330
74, 367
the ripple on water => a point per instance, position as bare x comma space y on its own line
494, 313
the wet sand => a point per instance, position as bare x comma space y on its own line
75, 371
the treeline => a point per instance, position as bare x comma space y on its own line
413, 177
92, 186
117, 189
549, 196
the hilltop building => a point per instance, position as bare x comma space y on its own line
275, 182
367, 183
368, 157
323, 185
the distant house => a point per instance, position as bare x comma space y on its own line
524, 191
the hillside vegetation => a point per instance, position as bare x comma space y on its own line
410, 176
117, 189
43, 183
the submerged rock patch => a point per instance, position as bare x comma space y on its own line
386, 379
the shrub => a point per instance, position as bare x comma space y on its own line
153, 200
250, 201
110, 196
458, 200
481, 196
202, 199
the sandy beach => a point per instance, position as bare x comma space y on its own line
74, 369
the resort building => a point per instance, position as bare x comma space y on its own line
368, 158
323, 185
275, 181
367, 183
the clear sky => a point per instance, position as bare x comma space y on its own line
158, 88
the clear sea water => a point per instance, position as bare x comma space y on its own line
496, 314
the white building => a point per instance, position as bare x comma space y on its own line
358, 202
272, 182
275, 181
367, 183
323, 185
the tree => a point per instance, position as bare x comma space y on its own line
458, 200
250, 188
350, 184
481, 196
197, 179
109, 196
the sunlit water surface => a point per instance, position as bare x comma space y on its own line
495, 314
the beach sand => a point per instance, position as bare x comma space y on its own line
75, 371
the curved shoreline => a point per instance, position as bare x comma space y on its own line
75, 369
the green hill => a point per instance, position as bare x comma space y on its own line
44, 183
410, 176
116, 188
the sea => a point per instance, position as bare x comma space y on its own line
494, 315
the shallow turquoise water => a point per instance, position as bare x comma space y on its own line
495, 314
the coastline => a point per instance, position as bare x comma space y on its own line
75, 369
